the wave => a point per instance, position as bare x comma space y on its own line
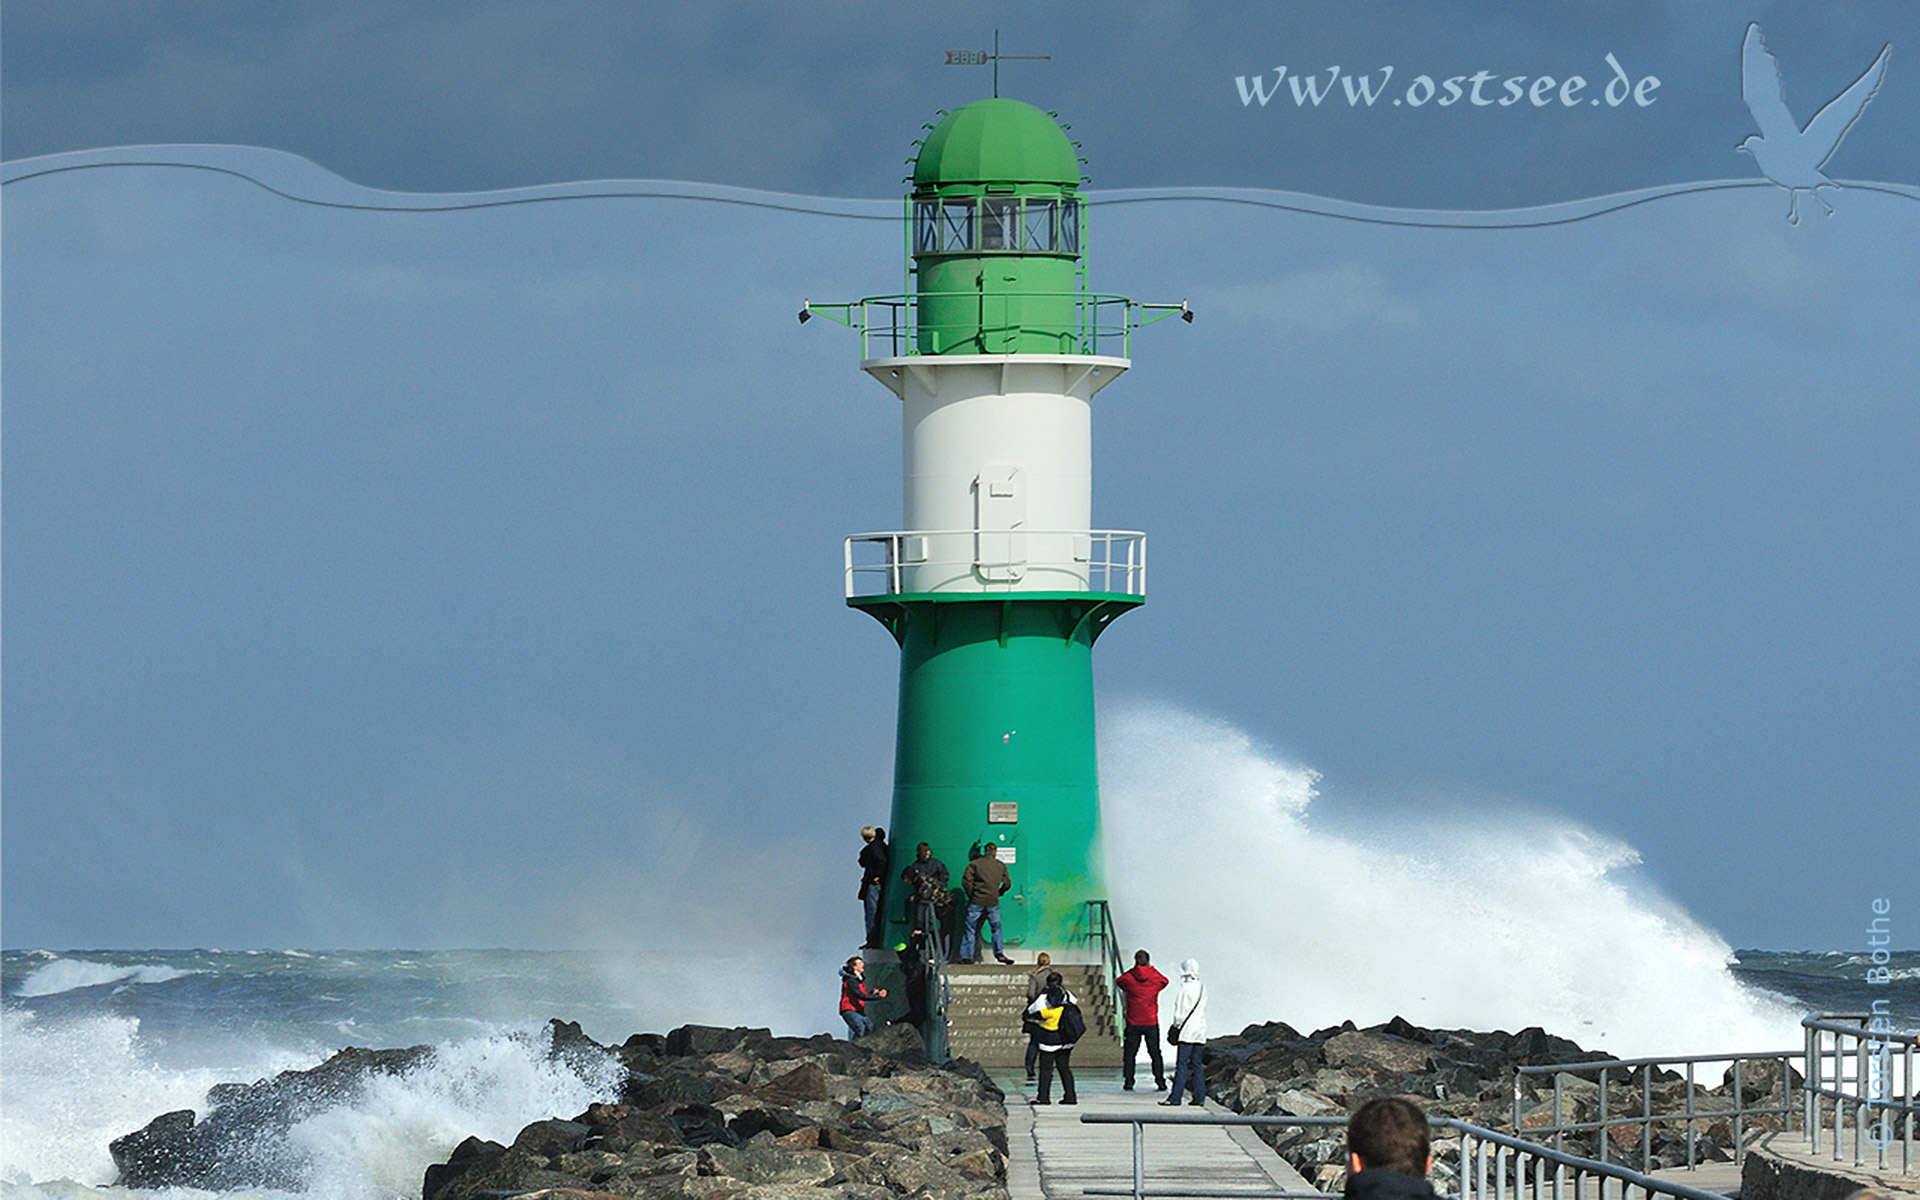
1479, 918
73, 1085
294, 178
72, 974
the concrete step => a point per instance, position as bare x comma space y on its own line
983, 1017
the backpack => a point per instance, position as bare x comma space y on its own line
1073, 1026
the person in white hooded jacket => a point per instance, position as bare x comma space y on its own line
1190, 1014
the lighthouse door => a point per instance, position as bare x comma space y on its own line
999, 521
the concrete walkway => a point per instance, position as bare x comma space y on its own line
1055, 1157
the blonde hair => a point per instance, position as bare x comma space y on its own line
867, 832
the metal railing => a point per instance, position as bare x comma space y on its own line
1101, 931
1111, 561
1855, 1061
1607, 1118
938, 983
1488, 1165
893, 326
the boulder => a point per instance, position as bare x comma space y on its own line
1375, 1051
701, 1125
808, 1081
900, 1041
1759, 1079
767, 1163
710, 1039
550, 1139
1297, 1103
240, 1143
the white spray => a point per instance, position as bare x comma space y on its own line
1484, 920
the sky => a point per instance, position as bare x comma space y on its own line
472, 578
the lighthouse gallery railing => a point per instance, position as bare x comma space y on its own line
1112, 561
892, 326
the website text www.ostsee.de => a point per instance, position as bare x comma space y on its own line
1482, 89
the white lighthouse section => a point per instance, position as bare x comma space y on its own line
997, 495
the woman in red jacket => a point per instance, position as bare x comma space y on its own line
854, 994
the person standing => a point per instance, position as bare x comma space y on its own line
1141, 987
873, 878
927, 896
1036, 984
919, 979
1190, 1022
1056, 1042
854, 994
984, 881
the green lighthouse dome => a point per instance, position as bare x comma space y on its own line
997, 141
995, 234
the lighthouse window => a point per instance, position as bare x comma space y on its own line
1040, 228
926, 227
956, 225
1070, 226
999, 224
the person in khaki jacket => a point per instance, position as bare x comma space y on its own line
984, 881
1036, 984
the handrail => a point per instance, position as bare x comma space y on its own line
1647, 1117
1103, 561
895, 320
1882, 1084
1100, 928
1473, 1175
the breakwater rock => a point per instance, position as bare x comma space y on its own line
738, 1114
700, 1113
1274, 1069
241, 1142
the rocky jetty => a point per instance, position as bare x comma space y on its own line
703, 1114
1274, 1069
738, 1114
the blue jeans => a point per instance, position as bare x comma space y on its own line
859, 1025
974, 912
870, 896
1188, 1070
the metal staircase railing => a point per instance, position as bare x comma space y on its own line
1100, 930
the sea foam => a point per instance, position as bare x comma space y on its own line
74, 1084
1479, 919
71, 974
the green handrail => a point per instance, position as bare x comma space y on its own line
1100, 929
893, 321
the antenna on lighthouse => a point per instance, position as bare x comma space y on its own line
980, 58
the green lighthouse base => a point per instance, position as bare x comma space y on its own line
996, 745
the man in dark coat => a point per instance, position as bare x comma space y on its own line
1389, 1152
984, 881
927, 896
873, 878
1142, 987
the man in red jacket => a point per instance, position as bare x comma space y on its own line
1142, 987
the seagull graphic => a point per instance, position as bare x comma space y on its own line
1787, 154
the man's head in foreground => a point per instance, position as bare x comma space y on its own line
1389, 1134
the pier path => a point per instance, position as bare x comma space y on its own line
1052, 1156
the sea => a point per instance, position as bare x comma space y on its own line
96, 1044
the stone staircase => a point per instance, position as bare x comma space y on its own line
983, 1019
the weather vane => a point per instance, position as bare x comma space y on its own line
980, 58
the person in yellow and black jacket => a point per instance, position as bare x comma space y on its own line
1060, 1025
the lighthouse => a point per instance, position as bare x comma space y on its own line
997, 584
